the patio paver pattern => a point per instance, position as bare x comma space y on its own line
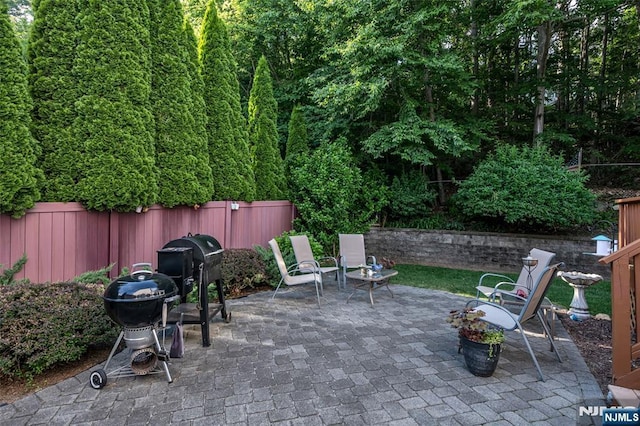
288, 362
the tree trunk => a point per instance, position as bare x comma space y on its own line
544, 40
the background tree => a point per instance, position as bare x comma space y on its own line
228, 145
18, 150
53, 88
178, 147
263, 133
297, 143
114, 120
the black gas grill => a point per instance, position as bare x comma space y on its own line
194, 261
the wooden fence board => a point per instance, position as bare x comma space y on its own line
63, 240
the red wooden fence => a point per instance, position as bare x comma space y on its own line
63, 240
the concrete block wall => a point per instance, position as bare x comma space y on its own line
480, 251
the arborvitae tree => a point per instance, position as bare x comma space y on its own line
297, 143
176, 138
226, 128
18, 150
113, 69
263, 133
198, 109
53, 89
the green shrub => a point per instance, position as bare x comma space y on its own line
242, 269
527, 190
410, 197
332, 196
42, 325
7, 274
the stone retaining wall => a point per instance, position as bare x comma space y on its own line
481, 251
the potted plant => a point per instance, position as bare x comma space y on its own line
480, 343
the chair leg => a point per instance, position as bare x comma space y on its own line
318, 291
549, 335
277, 288
533, 356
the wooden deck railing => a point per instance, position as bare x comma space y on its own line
63, 240
625, 286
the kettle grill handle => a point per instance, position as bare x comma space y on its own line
140, 268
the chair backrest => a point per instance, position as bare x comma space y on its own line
352, 250
282, 267
544, 260
302, 250
537, 294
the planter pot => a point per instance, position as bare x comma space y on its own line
481, 358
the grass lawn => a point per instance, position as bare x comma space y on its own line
463, 282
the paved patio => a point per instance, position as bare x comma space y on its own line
288, 362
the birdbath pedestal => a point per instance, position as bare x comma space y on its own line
579, 281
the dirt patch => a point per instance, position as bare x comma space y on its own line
593, 339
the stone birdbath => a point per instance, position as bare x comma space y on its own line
579, 309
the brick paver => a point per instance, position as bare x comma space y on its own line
288, 362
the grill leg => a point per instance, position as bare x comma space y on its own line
160, 349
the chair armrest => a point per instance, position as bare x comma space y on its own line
489, 274
373, 260
332, 259
304, 266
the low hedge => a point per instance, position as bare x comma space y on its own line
42, 325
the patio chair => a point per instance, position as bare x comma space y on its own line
293, 275
503, 318
508, 288
307, 262
507, 291
352, 254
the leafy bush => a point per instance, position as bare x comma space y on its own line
331, 195
526, 189
241, 269
42, 325
410, 197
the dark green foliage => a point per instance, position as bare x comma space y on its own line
410, 196
242, 269
42, 325
113, 69
527, 190
263, 133
53, 89
297, 143
19, 176
100, 276
178, 144
226, 129
331, 196
7, 275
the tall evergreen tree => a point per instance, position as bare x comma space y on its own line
114, 119
226, 128
198, 108
263, 133
18, 150
297, 143
53, 89
176, 138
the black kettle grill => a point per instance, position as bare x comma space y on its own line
194, 261
139, 303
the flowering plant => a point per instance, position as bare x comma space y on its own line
470, 326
